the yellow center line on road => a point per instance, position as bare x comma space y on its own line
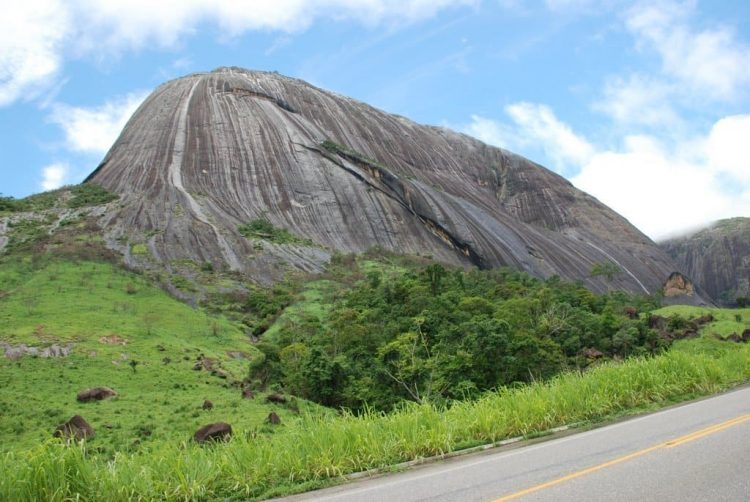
669, 444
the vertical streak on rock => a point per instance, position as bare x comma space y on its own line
175, 175
619, 265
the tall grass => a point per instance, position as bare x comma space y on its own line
324, 448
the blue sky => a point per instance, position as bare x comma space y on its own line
645, 105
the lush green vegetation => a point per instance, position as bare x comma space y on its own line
337, 149
261, 228
89, 194
424, 359
113, 318
73, 197
326, 448
429, 334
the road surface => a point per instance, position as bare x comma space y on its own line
697, 451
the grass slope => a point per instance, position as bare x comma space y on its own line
323, 449
84, 302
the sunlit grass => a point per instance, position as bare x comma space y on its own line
321, 448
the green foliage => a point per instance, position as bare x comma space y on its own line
429, 334
337, 149
741, 301
89, 194
325, 448
261, 228
125, 334
40, 201
607, 269
83, 195
24, 233
8, 204
139, 249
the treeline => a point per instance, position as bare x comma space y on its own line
433, 334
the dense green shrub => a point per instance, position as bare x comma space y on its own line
431, 334
261, 228
89, 194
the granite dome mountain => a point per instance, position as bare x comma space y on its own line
717, 258
210, 152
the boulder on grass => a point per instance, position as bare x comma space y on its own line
95, 394
248, 394
592, 353
76, 428
657, 322
273, 418
734, 337
219, 431
207, 405
276, 398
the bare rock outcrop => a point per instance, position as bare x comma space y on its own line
248, 393
15, 352
209, 152
276, 398
678, 285
717, 258
76, 428
95, 394
273, 418
219, 431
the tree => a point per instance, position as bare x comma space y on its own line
292, 359
608, 269
435, 274
323, 378
409, 362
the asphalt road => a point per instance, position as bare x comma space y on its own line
697, 451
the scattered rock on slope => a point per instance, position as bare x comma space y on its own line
95, 394
76, 428
218, 431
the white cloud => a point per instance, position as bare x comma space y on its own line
491, 132
38, 36
537, 125
659, 192
728, 148
711, 62
93, 130
53, 176
638, 100
534, 126
31, 39
662, 190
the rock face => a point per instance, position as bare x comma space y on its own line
717, 259
209, 152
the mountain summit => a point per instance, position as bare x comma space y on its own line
262, 173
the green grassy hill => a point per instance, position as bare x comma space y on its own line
125, 334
